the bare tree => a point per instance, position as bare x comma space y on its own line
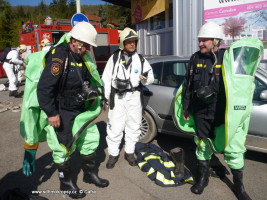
257, 16
233, 26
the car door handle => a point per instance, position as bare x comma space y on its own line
148, 93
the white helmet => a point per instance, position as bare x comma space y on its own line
210, 30
126, 34
22, 47
84, 32
45, 42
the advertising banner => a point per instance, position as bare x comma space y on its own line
239, 19
143, 9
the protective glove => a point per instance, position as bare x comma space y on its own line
28, 167
104, 103
143, 78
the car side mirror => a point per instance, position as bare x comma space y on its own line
263, 95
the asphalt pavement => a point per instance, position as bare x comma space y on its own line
126, 182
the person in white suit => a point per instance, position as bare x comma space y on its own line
123, 80
12, 59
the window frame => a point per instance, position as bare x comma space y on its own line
160, 72
167, 23
174, 62
258, 79
185, 62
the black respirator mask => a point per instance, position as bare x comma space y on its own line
122, 84
87, 93
206, 94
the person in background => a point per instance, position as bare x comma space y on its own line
23, 26
13, 59
46, 44
48, 20
28, 26
21, 68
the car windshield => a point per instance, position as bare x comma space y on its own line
263, 64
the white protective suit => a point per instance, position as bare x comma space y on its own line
10, 67
127, 112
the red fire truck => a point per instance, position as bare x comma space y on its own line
32, 34
2, 71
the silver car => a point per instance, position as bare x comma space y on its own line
169, 74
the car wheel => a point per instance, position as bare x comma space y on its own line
148, 128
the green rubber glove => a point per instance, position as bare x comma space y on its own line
28, 167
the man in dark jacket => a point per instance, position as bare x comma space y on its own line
204, 98
65, 90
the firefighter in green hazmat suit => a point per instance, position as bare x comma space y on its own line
69, 95
215, 102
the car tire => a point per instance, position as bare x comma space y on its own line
148, 128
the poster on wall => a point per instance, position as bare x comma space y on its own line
239, 18
144, 9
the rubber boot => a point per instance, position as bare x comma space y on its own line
239, 189
112, 161
15, 94
203, 177
91, 172
130, 158
177, 156
66, 183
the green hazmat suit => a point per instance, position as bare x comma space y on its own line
240, 62
34, 126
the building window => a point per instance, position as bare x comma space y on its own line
171, 15
162, 20
158, 21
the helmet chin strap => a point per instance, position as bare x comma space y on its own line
215, 42
129, 53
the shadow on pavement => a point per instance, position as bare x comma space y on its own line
43, 172
100, 152
167, 142
44, 168
218, 168
256, 156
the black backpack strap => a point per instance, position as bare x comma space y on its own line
112, 93
140, 85
64, 76
115, 58
142, 62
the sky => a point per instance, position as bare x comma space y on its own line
47, 2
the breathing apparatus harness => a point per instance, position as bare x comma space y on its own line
78, 96
87, 93
120, 83
205, 93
